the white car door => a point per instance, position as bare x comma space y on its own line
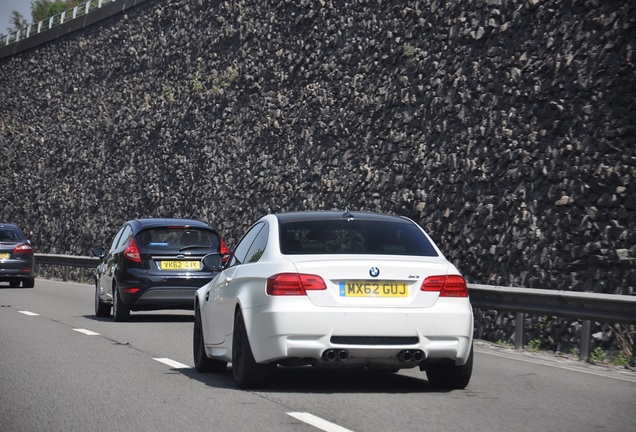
222, 298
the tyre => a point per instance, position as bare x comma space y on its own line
14, 283
247, 373
120, 311
28, 283
448, 376
201, 361
102, 309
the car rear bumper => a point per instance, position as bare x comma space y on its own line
161, 293
163, 298
15, 271
370, 337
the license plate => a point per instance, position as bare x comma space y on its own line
4, 255
180, 265
374, 289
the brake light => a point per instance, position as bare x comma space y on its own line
132, 251
294, 284
447, 286
23, 248
131, 290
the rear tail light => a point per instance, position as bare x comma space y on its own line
132, 251
131, 290
294, 284
23, 248
447, 286
224, 251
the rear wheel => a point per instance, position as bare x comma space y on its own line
449, 376
120, 311
101, 309
28, 283
247, 373
201, 361
14, 283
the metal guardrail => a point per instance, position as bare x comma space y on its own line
588, 307
55, 20
67, 262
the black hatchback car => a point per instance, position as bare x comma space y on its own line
16, 257
154, 264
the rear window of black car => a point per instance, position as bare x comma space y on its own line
178, 239
11, 235
354, 237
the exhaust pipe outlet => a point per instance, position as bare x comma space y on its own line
418, 356
329, 355
405, 356
343, 355
409, 356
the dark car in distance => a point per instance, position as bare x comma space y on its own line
154, 264
16, 257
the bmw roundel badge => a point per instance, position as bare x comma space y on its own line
374, 272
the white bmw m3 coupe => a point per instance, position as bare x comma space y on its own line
334, 290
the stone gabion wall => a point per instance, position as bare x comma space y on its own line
505, 128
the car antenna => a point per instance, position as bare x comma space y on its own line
347, 214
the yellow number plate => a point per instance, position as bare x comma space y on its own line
4, 256
180, 265
374, 289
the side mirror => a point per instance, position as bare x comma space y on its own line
99, 252
212, 261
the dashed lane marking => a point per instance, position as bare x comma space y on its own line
29, 313
172, 363
321, 424
87, 332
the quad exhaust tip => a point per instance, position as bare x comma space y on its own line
410, 356
331, 355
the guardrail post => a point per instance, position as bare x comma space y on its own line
65, 273
520, 320
586, 339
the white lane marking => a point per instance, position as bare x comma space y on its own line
318, 422
87, 332
29, 313
172, 363
573, 368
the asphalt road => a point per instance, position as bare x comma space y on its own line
63, 369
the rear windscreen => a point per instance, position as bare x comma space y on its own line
11, 235
354, 237
178, 240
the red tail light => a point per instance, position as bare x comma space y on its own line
223, 249
447, 286
23, 248
294, 284
132, 251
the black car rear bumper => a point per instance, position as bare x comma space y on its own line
162, 293
164, 298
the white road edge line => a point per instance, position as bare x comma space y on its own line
172, 363
318, 422
29, 313
572, 368
87, 332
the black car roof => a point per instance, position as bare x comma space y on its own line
139, 224
7, 225
337, 215
10, 225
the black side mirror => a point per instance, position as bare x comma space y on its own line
99, 252
212, 261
